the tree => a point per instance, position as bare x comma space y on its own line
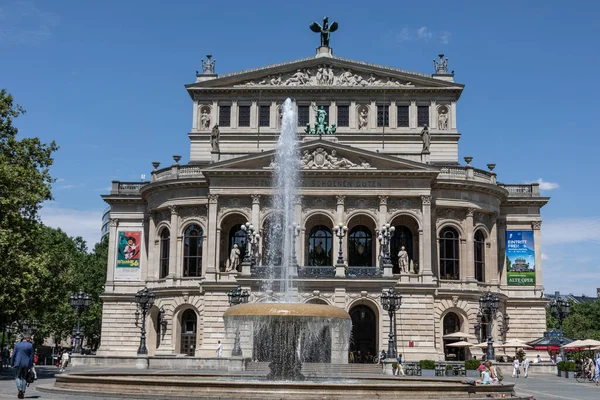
583, 321
25, 183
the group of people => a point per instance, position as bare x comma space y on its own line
591, 368
489, 375
517, 367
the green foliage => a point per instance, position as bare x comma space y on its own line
449, 367
395, 365
472, 364
584, 321
427, 364
551, 322
566, 365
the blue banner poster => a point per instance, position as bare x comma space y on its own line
520, 258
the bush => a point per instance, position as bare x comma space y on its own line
427, 364
395, 365
449, 367
560, 365
472, 365
569, 365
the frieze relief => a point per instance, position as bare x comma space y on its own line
193, 212
357, 203
409, 204
325, 75
327, 204
235, 203
483, 218
160, 216
449, 214
321, 158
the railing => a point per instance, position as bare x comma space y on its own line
523, 190
316, 272
166, 174
126, 187
453, 172
189, 170
363, 272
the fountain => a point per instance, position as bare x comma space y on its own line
287, 324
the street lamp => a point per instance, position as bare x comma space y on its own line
505, 327
79, 302
340, 231
237, 296
296, 232
560, 309
248, 229
489, 305
29, 328
391, 301
384, 237
144, 300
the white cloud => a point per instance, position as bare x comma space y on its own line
546, 185
22, 22
571, 230
72, 186
422, 33
445, 38
84, 223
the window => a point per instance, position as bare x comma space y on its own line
343, 116
403, 120
237, 236
383, 116
451, 323
319, 246
403, 236
224, 115
303, 115
422, 115
165, 244
192, 251
449, 261
360, 247
479, 256
189, 322
244, 116
264, 119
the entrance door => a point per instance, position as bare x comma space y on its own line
188, 332
363, 344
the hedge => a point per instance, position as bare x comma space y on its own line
427, 364
472, 364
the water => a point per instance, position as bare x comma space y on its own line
286, 178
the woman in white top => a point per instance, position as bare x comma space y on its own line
515, 368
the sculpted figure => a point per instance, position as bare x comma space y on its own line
363, 118
443, 121
403, 259
341, 163
204, 120
299, 78
426, 138
214, 138
234, 259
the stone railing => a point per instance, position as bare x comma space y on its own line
522, 190
467, 173
126, 187
176, 171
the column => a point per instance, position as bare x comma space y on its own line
174, 269
234, 115
340, 201
151, 265
500, 272
372, 115
425, 267
352, 115
332, 113
393, 114
453, 115
469, 273
491, 266
273, 115
255, 216
213, 239
433, 115
311, 112
412, 114
537, 245
195, 112
253, 115
112, 237
214, 114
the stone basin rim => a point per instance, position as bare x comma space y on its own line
286, 310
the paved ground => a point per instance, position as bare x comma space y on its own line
540, 387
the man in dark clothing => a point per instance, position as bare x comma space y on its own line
22, 360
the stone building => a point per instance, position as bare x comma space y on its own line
393, 159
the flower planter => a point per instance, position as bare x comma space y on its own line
559, 373
428, 373
567, 374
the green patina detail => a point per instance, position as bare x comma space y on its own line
321, 127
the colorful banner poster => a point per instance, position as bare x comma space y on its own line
520, 258
128, 255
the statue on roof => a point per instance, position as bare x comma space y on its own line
321, 127
324, 30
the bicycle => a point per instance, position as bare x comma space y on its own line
582, 376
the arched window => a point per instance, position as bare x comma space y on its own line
192, 251
165, 243
402, 237
188, 332
360, 247
319, 246
479, 256
449, 261
451, 323
237, 236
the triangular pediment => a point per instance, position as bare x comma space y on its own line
324, 155
320, 72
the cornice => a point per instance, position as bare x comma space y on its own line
455, 184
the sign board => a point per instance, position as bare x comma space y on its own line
520, 258
128, 258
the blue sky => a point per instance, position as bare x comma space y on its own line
105, 80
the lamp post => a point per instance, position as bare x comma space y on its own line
384, 237
489, 305
560, 309
296, 232
144, 300
237, 296
79, 302
478, 325
248, 229
505, 327
391, 301
340, 231
29, 328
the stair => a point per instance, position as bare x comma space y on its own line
319, 369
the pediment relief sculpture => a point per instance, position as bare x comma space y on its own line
321, 158
325, 75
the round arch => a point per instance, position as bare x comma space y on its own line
185, 338
361, 241
365, 331
318, 240
317, 300
463, 322
406, 235
227, 222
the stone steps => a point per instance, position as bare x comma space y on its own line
323, 368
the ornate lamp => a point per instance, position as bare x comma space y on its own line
384, 238
340, 231
79, 302
144, 300
560, 308
489, 305
391, 302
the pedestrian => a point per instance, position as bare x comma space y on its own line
539, 359
219, 349
526, 363
597, 369
36, 360
22, 360
64, 360
516, 368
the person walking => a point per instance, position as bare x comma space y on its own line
64, 360
22, 359
515, 368
219, 349
526, 363
597, 374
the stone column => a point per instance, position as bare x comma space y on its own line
332, 113
453, 115
195, 112
112, 237
151, 264
372, 115
253, 115
491, 266
500, 270
393, 115
233, 123
273, 115
433, 123
311, 113
352, 115
412, 114
426, 263
214, 114
255, 216
213, 239
537, 245
174, 269
469, 273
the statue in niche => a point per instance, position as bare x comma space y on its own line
403, 261
443, 119
234, 259
363, 118
426, 139
214, 138
204, 119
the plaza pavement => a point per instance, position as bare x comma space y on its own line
541, 387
